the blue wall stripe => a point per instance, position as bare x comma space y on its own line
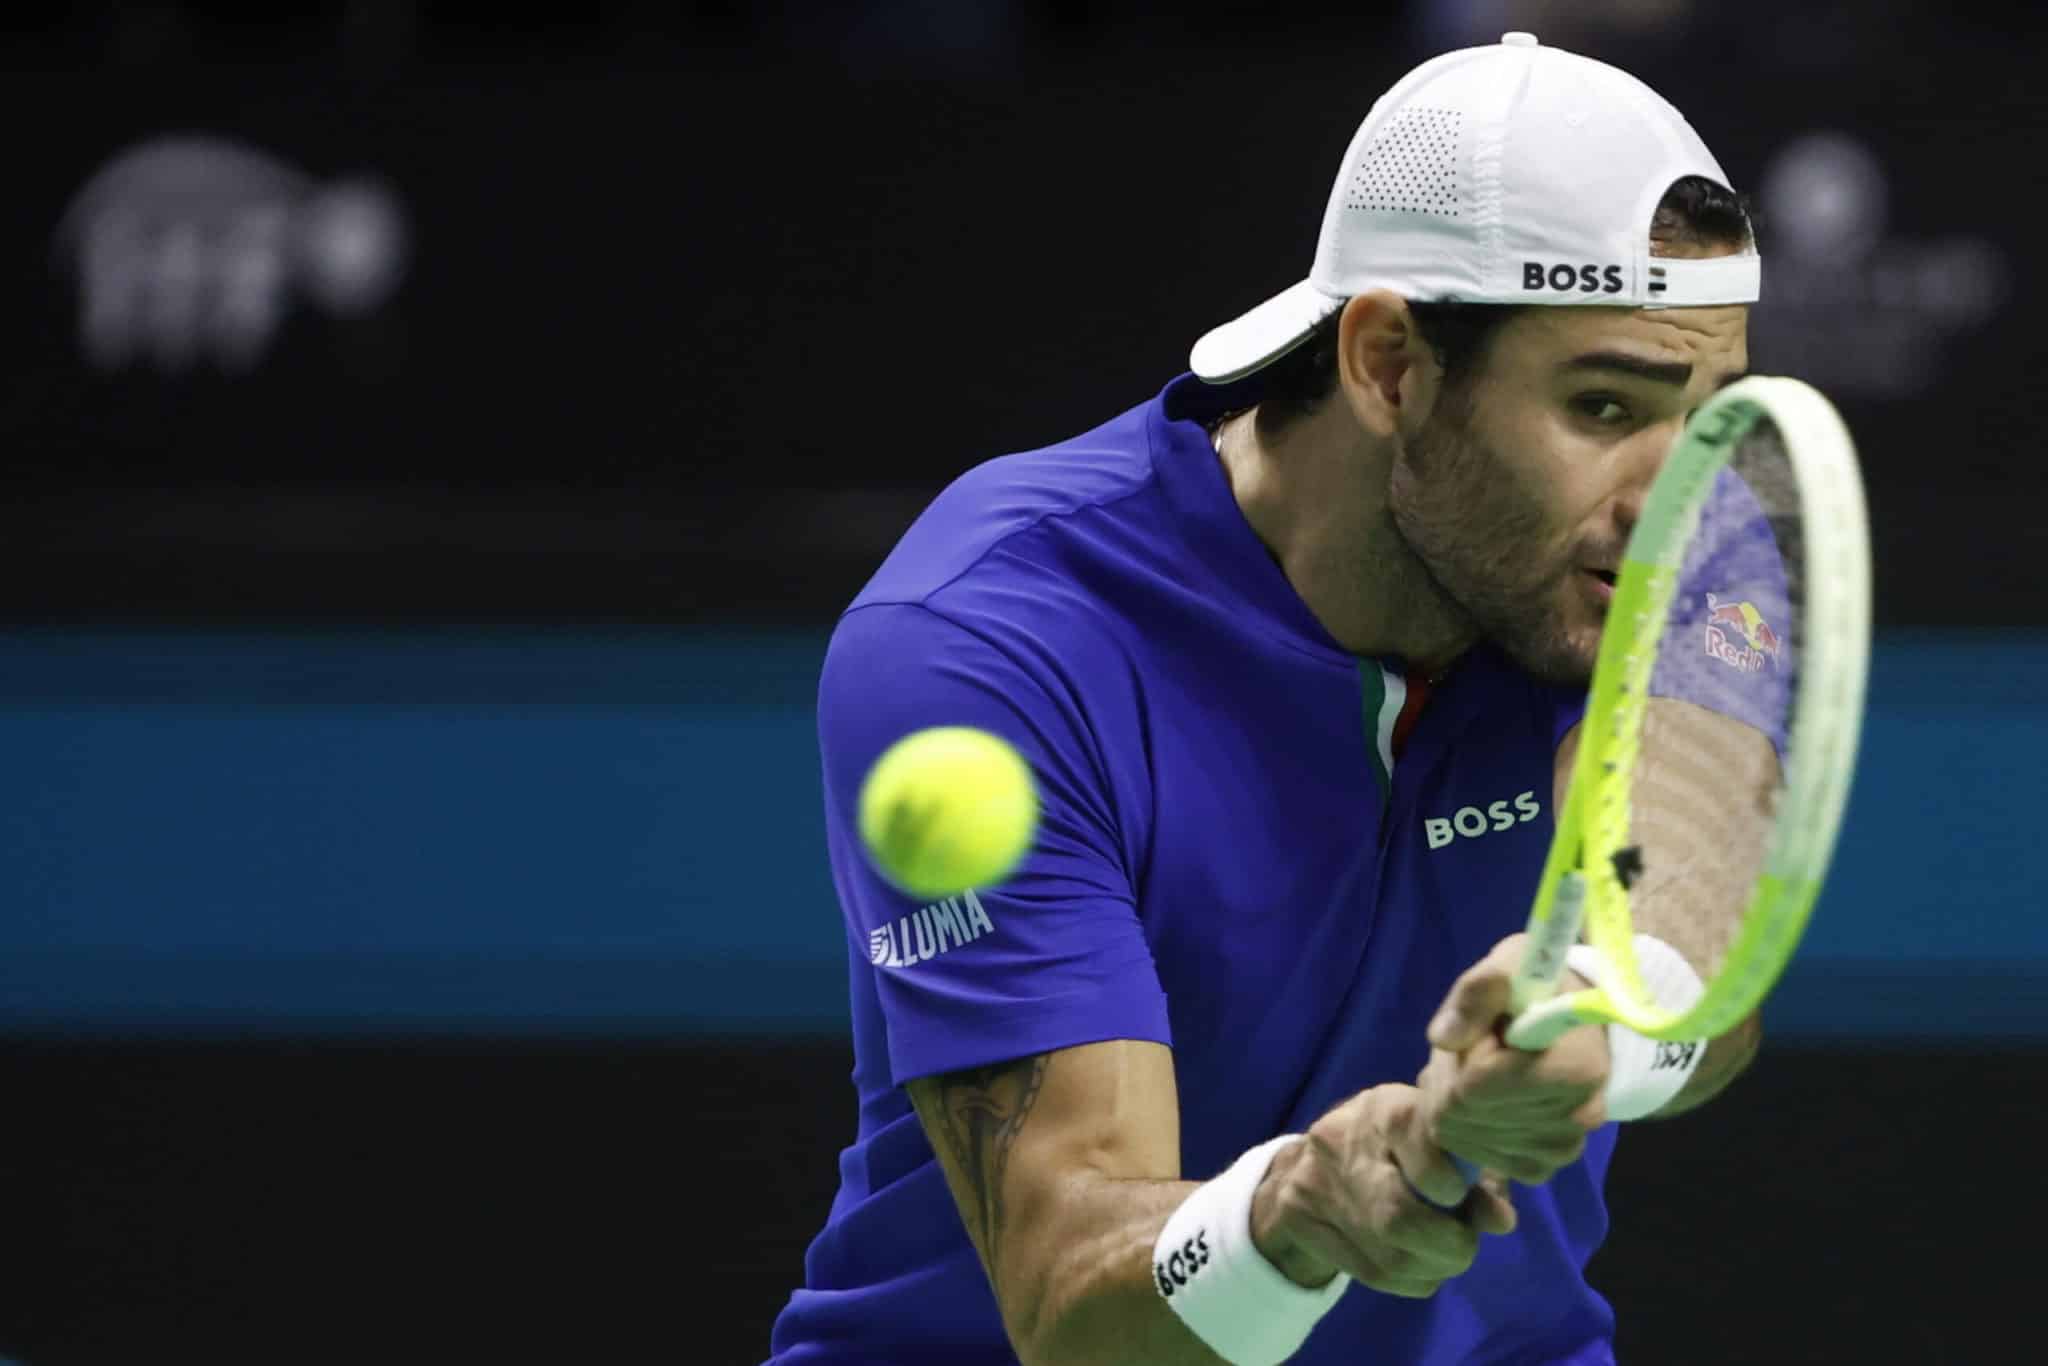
515, 832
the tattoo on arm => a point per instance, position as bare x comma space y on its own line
980, 1111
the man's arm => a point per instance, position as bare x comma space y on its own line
1065, 1167
1694, 814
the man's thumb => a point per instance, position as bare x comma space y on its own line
1476, 1001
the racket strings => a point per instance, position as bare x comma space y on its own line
1700, 844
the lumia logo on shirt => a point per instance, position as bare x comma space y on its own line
1471, 822
936, 928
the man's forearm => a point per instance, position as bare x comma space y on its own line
1070, 1261
1102, 1304
1727, 1058
1095, 1302
1691, 927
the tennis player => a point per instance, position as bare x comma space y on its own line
1296, 650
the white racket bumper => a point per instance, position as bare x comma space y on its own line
1539, 1026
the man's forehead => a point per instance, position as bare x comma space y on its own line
1716, 337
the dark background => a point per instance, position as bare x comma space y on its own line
704, 301
707, 300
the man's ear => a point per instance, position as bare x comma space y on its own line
1388, 372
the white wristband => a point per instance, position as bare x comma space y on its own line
1212, 1274
1644, 1074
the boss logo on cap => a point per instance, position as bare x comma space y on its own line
1584, 279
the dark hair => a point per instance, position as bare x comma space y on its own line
1694, 212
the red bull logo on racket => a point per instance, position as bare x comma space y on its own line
1737, 635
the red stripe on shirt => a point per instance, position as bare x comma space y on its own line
1411, 709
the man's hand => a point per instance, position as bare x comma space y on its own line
1523, 1115
1341, 1201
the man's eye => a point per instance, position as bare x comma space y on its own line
1605, 409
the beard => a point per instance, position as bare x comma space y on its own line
1481, 538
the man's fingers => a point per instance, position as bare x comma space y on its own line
1407, 1288
1428, 1243
1431, 1174
1488, 1208
1409, 1253
1527, 1145
1429, 1171
1578, 1058
1476, 1001
1529, 1158
1491, 1074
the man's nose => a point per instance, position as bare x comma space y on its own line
1642, 459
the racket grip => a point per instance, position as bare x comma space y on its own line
1465, 1169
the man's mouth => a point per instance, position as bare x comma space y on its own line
1601, 582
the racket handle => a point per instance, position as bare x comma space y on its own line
1536, 982
1465, 1169
1549, 941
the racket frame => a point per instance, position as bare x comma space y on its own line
1580, 881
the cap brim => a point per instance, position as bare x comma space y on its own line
1262, 336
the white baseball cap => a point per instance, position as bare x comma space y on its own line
1508, 174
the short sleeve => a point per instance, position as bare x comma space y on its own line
1727, 643
1052, 958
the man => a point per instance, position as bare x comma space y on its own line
1296, 651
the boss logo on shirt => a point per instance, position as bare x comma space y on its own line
1470, 822
935, 929
1173, 1271
1584, 279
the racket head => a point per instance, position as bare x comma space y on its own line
1740, 705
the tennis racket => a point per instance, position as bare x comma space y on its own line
1721, 730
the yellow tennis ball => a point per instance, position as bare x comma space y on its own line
947, 809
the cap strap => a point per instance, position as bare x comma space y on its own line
1681, 282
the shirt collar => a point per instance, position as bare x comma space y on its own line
1191, 475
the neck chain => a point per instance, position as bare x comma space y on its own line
1221, 421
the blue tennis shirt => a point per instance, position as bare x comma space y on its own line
1263, 851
